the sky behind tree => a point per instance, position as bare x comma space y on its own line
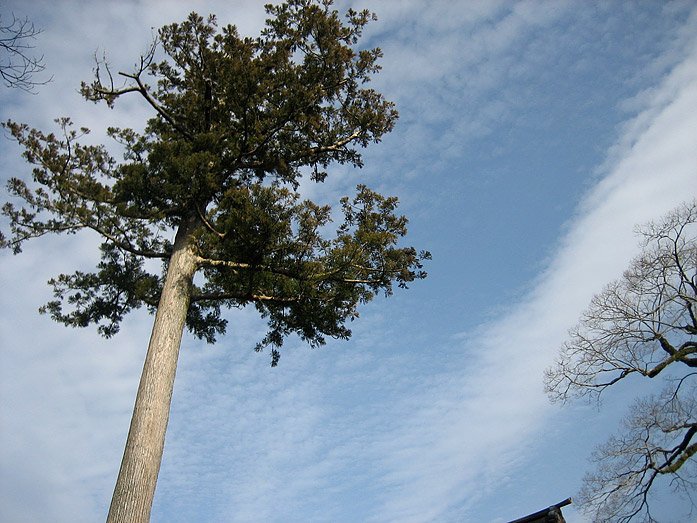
533, 137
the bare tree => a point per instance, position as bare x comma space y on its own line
643, 324
18, 66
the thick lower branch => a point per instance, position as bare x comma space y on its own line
331, 148
683, 452
682, 356
325, 276
665, 345
222, 296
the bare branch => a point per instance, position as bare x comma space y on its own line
17, 66
109, 92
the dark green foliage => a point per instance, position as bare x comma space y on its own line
104, 297
237, 122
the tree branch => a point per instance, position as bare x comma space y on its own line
18, 68
325, 276
143, 90
208, 224
682, 452
222, 296
208, 262
681, 356
109, 93
665, 345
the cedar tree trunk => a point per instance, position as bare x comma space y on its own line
135, 485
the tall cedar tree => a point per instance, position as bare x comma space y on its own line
236, 123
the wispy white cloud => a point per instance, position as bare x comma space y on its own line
470, 426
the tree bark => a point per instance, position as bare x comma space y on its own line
135, 485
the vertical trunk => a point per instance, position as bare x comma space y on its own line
135, 485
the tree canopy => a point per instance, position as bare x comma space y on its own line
644, 324
237, 121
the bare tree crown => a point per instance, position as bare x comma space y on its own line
643, 324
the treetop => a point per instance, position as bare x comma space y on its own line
235, 123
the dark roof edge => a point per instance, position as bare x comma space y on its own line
543, 512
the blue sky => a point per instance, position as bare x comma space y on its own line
533, 137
